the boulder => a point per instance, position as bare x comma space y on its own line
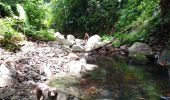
70, 38
80, 42
92, 42
140, 48
99, 44
59, 36
78, 48
138, 53
164, 59
6, 78
77, 67
67, 42
138, 59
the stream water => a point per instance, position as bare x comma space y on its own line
115, 79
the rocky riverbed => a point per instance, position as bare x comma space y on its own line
68, 66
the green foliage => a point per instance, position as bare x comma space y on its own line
81, 16
36, 12
106, 37
5, 10
44, 35
135, 18
11, 36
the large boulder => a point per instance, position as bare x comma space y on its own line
138, 53
6, 78
164, 59
138, 59
140, 48
92, 41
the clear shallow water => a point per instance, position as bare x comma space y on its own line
116, 80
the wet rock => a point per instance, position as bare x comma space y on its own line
164, 59
138, 59
6, 78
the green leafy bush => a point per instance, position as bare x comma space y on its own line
44, 35
82, 16
136, 20
10, 36
36, 12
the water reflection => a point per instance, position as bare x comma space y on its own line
118, 79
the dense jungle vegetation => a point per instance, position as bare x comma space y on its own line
128, 20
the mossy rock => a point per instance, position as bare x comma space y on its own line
139, 58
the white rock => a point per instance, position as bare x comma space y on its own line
92, 42
46, 70
83, 60
99, 44
79, 41
66, 42
72, 56
75, 68
70, 38
59, 35
6, 78
78, 48
90, 67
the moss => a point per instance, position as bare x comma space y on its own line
139, 58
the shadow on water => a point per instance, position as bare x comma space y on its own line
114, 79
